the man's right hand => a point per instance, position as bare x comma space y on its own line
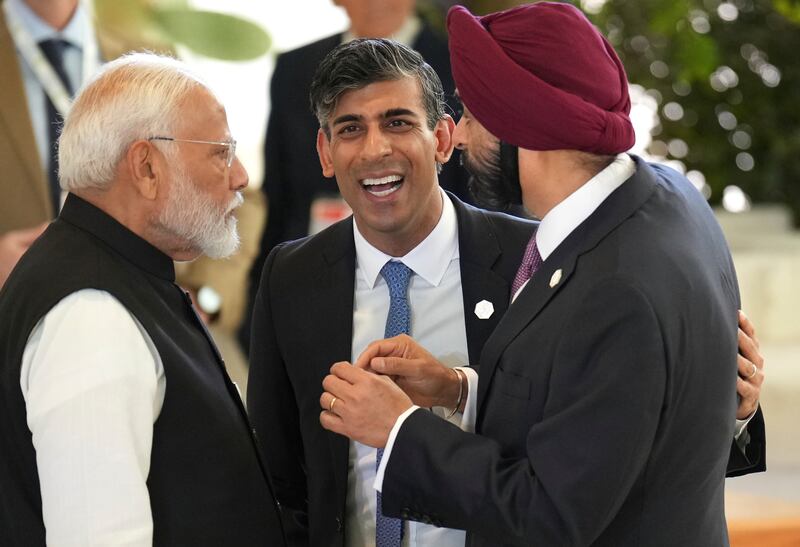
424, 379
13, 245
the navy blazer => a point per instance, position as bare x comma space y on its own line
606, 392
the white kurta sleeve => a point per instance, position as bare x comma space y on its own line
93, 385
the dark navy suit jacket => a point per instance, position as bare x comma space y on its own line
606, 395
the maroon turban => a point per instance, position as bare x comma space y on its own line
542, 77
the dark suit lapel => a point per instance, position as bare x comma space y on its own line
479, 251
556, 272
17, 124
333, 300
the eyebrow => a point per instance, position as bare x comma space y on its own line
347, 118
391, 113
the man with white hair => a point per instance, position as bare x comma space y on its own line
120, 424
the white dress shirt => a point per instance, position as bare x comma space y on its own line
437, 322
93, 385
75, 34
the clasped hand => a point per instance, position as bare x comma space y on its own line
364, 400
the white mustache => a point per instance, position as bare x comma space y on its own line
236, 202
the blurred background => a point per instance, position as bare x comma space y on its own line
715, 88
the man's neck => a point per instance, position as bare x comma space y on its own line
56, 13
550, 177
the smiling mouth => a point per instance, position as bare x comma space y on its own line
383, 186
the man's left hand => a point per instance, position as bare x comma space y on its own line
361, 405
751, 369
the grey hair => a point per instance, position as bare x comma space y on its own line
133, 97
361, 62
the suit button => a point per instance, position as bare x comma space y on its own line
339, 524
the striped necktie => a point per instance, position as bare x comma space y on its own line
53, 50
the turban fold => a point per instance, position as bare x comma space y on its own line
542, 77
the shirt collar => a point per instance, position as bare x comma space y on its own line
562, 219
406, 34
74, 33
428, 260
120, 239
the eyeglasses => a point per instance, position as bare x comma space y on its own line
231, 145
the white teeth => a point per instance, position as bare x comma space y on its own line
384, 192
382, 180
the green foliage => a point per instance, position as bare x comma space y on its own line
214, 34
736, 81
789, 9
161, 24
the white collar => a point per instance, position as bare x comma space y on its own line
562, 219
428, 260
74, 33
406, 34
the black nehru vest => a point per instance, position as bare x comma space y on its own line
207, 483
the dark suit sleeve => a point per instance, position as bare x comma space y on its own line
578, 461
750, 458
273, 412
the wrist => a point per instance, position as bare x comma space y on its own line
459, 402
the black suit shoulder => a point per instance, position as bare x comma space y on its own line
298, 261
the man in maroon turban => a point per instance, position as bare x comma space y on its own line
605, 405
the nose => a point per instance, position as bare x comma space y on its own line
460, 134
238, 178
376, 145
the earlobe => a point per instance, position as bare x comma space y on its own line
140, 161
444, 138
324, 152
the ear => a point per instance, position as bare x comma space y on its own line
324, 151
444, 138
145, 169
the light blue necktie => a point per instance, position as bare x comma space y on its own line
389, 531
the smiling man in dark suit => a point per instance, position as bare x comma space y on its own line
607, 392
384, 133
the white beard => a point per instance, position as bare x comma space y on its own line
196, 219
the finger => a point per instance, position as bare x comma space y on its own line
336, 386
747, 326
332, 422
348, 372
746, 390
396, 366
745, 367
749, 350
327, 400
748, 398
380, 348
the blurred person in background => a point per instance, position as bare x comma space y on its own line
48, 49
